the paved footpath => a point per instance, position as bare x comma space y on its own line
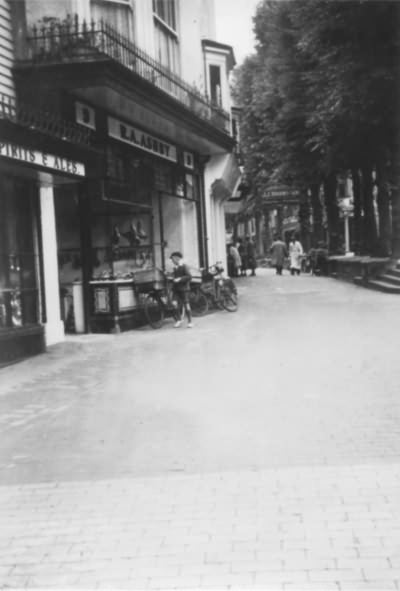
265, 455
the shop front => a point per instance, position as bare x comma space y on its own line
29, 312
146, 207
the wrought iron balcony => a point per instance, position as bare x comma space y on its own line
42, 121
71, 40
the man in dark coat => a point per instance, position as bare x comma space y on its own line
251, 256
279, 253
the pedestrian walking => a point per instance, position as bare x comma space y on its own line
295, 255
236, 259
243, 257
181, 287
279, 253
251, 255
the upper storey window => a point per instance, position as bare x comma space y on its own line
165, 10
116, 13
166, 34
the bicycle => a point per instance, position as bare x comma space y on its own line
220, 291
197, 299
161, 301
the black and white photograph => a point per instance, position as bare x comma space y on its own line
200, 295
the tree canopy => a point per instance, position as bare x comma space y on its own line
321, 93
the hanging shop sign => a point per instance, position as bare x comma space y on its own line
85, 115
38, 158
188, 160
140, 139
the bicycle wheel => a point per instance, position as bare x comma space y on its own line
229, 299
154, 310
198, 302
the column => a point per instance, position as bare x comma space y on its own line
54, 326
346, 232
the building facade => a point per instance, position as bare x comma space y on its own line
115, 150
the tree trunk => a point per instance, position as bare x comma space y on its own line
370, 235
332, 213
318, 230
384, 242
395, 198
279, 221
358, 211
267, 238
259, 242
304, 219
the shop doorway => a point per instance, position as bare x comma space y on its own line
70, 257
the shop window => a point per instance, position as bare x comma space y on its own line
122, 240
175, 181
116, 13
191, 191
130, 178
18, 257
163, 178
166, 36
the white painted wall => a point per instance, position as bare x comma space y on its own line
180, 228
197, 22
214, 210
190, 233
54, 327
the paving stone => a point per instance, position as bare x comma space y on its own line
254, 469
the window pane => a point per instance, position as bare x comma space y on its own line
166, 48
114, 14
165, 10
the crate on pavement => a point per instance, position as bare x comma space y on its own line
149, 279
196, 275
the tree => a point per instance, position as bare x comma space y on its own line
324, 84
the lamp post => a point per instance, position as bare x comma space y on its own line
347, 209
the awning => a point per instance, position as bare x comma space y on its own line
226, 185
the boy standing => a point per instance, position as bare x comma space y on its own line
181, 287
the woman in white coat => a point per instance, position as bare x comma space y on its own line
295, 254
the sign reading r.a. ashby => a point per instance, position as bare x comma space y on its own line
140, 139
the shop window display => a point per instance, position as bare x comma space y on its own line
121, 245
121, 223
18, 257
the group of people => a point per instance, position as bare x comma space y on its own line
242, 257
280, 252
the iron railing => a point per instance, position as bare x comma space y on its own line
42, 120
72, 40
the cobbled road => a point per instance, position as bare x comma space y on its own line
259, 450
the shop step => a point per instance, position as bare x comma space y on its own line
394, 271
390, 277
378, 285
